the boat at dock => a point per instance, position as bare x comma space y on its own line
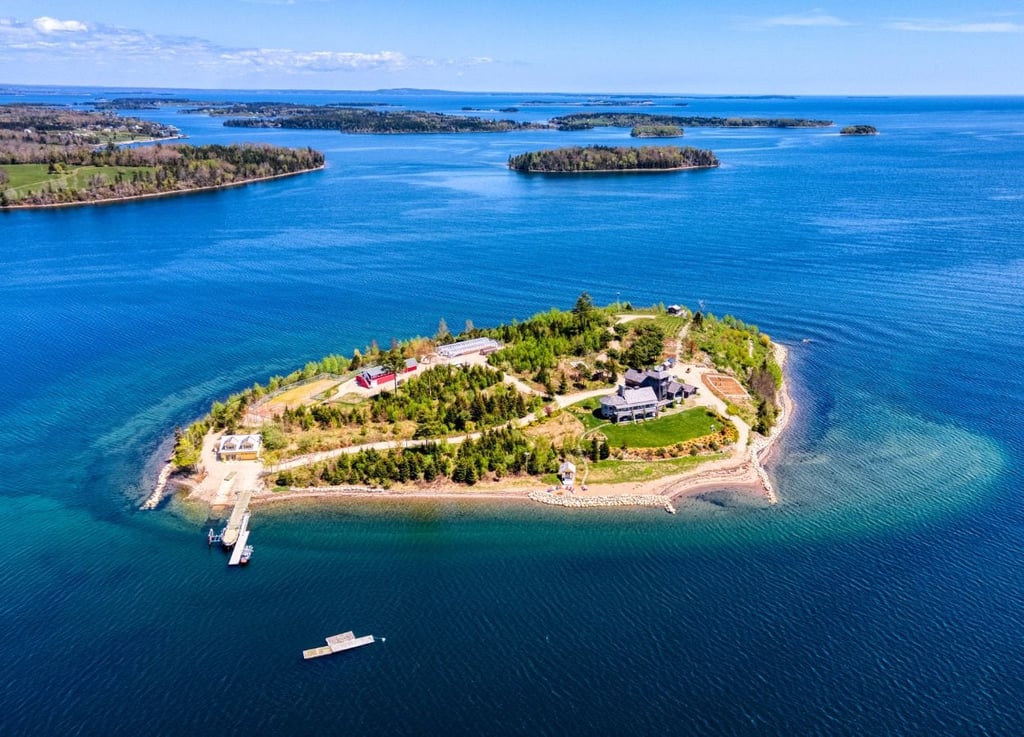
243, 559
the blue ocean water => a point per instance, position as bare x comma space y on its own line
883, 596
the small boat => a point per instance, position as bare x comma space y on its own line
246, 554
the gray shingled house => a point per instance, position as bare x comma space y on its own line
643, 394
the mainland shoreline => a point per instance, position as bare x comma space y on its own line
150, 195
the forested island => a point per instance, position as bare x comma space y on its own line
52, 155
355, 119
361, 120
656, 131
859, 130
586, 121
506, 407
138, 103
595, 159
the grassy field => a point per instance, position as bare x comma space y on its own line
617, 472
666, 430
34, 177
671, 324
302, 394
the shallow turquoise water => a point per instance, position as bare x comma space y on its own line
883, 596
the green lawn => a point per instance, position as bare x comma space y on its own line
666, 430
34, 177
587, 417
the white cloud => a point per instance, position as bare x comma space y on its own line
61, 40
815, 18
45, 24
945, 26
311, 61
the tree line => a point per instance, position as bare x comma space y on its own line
535, 346
496, 454
747, 352
441, 400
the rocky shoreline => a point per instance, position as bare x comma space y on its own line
620, 500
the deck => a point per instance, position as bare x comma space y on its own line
243, 537
240, 512
337, 644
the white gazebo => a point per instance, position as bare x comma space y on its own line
567, 473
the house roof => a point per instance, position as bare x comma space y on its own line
640, 395
634, 376
375, 372
627, 397
467, 346
410, 363
234, 443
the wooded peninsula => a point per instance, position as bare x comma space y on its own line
52, 155
596, 159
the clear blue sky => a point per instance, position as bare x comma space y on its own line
645, 46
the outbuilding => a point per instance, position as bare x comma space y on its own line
378, 375
240, 448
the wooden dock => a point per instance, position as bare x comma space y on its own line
234, 526
337, 644
243, 537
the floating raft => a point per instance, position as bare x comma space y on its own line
336, 644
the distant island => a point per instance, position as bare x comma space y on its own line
347, 118
355, 119
586, 121
138, 103
589, 103
53, 155
595, 406
859, 130
656, 131
596, 159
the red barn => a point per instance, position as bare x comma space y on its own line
377, 375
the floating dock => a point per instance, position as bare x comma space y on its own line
234, 527
242, 539
337, 644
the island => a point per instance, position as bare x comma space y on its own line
593, 406
656, 131
58, 156
598, 159
586, 121
859, 130
355, 119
